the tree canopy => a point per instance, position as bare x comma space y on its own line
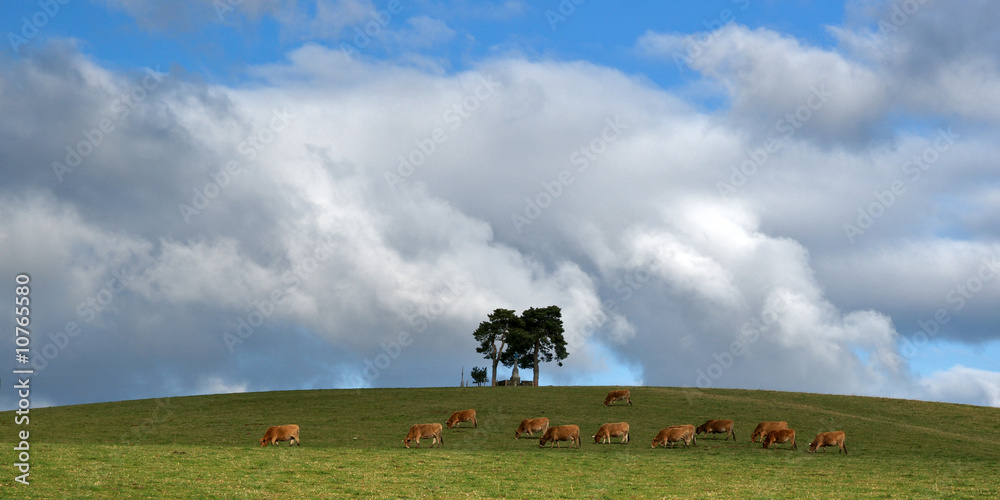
539, 340
534, 337
479, 375
495, 334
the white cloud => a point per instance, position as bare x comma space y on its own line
961, 384
627, 230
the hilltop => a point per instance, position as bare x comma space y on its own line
351, 446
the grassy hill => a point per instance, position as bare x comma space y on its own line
207, 446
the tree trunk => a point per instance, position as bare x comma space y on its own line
496, 361
537, 346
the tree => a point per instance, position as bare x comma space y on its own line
495, 334
479, 375
540, 339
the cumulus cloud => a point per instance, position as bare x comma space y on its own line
366, 216
936, 59
964, 385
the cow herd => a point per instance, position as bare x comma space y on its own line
769, 433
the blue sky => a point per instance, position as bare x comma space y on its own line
220, 41
756, 194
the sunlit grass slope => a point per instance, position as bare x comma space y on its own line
207, 446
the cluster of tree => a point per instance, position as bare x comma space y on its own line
479, 375
533, 337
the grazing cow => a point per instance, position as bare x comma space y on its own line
779, 436
672, 434
717, 426
417, 431
824, 439
462, 416
621, 395
608, 431
281, 433
558, 433
530, 425
764, 427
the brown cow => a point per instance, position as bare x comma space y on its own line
824, 439
608, 431
764, 427
530, 425
779, 436
281, 433
418, 431
613, 396
672, 434
462, 416
717, 426
558, 433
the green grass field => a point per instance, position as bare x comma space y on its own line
207, 446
